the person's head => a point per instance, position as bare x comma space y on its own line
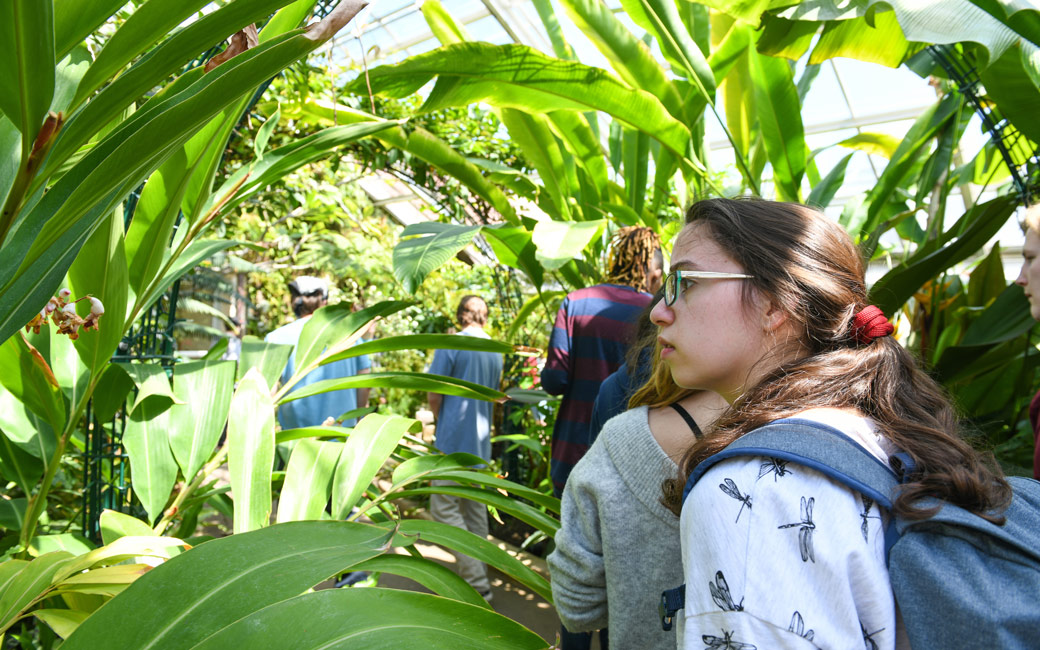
779, 334
472, 310
308, 295
657, 388
634, 259
1029, 276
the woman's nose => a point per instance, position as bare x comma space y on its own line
661, 314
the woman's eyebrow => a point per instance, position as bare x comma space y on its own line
685, 265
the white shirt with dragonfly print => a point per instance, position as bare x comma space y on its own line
776, 555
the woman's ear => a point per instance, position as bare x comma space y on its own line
773, 317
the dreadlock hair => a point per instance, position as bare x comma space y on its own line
808, 267
629, 256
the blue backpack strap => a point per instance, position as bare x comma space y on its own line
672, 600
819, 447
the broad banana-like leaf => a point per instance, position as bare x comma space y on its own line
333, 329
976, 227
22, 585
522, 511
552, 27
110, 393
534, 135
481, 549
12, 513
517, 76
308, 477
115, 525
25, 429
69, 212
560, 242
268, 358
416, 257
26, 65
100, 271
437, 578
822, 195
367, 619
149, 24
881, 144
195, 427
879, 40
635, 152
581, 141
19, 466
423, 342
780, 121
373, 440
153, 468
445, 29
225, 580
630, 57
514, 247
250, 433
1015, 91
28, 377
153, 386
943, 23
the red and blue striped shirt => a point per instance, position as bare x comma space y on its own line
592, 333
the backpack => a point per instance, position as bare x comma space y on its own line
959, 581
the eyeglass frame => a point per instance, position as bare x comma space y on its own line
679, 275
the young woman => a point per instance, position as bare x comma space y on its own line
766, 305
618, 546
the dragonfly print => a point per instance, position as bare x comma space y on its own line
805, 530
798, 627
725, 642
721, 595
731, 489
864, 528
776, 466
868, 642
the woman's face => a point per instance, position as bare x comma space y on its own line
711, 339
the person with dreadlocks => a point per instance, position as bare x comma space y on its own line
591, 335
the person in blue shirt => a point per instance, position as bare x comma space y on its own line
464, 425
308, 295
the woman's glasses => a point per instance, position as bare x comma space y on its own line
675, 278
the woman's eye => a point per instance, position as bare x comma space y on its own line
685, 284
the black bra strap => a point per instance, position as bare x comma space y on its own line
689, 419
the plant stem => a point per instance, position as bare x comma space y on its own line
38, 501
189, 488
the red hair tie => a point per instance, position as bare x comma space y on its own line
870, 323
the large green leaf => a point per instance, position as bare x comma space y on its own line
28, 377
374, 618
517, 76
975, 228
283, 160
153, 386
534, 135
250, 433
513, 247
27, 584
576, 133
406, 380
560, 242
1016, 94
224, 580
115, 525
437, 578
19, 466
12, 514
195, 427
522, 511
153, 468
70, 210
943, 23
415, 256
629, 56
780, 120
100, 270
822, 195
193, 255
476, 547
370, 444
423, 342
25, 429
26, 65
879, 40
308, 477
151, 22
268, 358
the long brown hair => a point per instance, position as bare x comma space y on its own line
808, 266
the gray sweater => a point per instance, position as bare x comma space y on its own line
618, 547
